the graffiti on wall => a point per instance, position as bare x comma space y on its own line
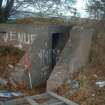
46, 56
18, 37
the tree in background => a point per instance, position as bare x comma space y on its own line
49, 7
96, 8
44, 7
55, 7
5, 12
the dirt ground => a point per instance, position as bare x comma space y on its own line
10, 56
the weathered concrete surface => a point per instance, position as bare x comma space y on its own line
27, 36
41, 54
38, 43
73, 57
15, 34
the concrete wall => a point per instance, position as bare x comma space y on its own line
38, 43
24, 34
73, 57
41, 54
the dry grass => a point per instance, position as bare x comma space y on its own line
89, 93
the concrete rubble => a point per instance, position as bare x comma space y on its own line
42, 99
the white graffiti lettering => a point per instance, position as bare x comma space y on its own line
19, 37
6, 36
46, 56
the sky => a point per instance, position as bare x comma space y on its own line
81, 5
4, 1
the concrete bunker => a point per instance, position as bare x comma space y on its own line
53, 50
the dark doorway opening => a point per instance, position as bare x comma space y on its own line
59, 41
55, 40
